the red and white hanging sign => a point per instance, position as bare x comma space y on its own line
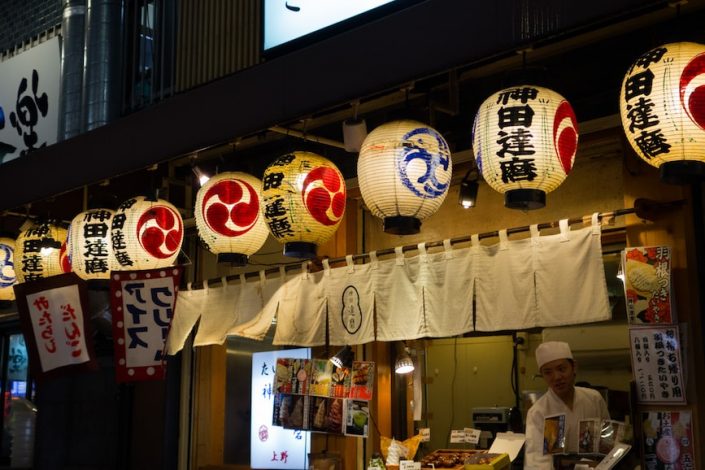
54, 317
143, 306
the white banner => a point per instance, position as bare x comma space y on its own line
29, 100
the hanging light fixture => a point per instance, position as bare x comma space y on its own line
90, 251
404, 171
8, 278
228, 217
343, 358
525, 139
662, 103
201, 175
469, 186
303, 198
37, 252
146, 234
404, 364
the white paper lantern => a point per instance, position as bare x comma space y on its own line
404, 172
37, 252
228, 216
7, 269
303, 196
662, 104
89, 248
525, 139
146, 234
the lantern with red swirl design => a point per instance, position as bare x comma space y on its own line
146, 234
90, 251
37, 251
8, 277
662, 104
303, 201
525, 139
228, 216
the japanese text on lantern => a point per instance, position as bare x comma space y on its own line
514, 137
117, 234
644, 123
95, 244
657, 364
32, 260
57, 322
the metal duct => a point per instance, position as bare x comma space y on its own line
101, 74
73, 28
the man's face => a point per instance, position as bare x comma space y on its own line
559, 375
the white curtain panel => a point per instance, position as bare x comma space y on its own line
398, 301
265, 300
570, 276
350, 302
188, 308
446, 281
504, 288
301, 318
218, 313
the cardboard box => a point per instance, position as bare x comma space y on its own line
488, 462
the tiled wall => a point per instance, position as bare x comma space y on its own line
22, 20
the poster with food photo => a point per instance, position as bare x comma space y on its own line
340, 382
321, 377
357, 418
667, 438
318, 409
334, 416
554, 434
291, 411
292, 375
647, 284
363, 373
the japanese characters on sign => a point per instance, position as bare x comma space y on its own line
274, 446
667, 438
33, 260
54, 323
29, 100
647, 284
143, 306
89, 245
656, 364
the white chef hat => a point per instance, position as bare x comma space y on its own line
552, 350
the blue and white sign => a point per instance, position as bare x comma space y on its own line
29, 100
274, 446
286, 20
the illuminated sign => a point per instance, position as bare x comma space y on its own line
286, 20
274, 446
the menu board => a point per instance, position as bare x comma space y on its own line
656, 363
668, 440
647, 284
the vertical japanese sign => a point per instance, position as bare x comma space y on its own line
29, 100
668, 440
143, 305
274, 446
647, 284
657, 366
54, 318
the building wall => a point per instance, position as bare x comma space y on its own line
22, 20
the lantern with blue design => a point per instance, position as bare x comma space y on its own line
7, 269
404, 171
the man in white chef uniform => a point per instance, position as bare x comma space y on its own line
558, 369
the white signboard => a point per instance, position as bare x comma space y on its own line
29, 100
657, 366
274, 446
286, 20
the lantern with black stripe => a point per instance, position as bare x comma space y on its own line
228, 216
662, 105
303, 201
525, 139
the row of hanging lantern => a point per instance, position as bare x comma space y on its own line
525, 140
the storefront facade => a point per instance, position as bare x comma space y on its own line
431, 60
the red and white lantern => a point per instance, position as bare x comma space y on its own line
146, 234
90, 251
662, 105
37, 251
525, 139
228, 216
8, 278
303, 197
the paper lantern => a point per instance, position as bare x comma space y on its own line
228, 216
404, 171
303, 197
89, 248
525, 139
7, 269
146, 234
37, 251
662, 104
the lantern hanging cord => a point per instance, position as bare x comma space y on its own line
643, 209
